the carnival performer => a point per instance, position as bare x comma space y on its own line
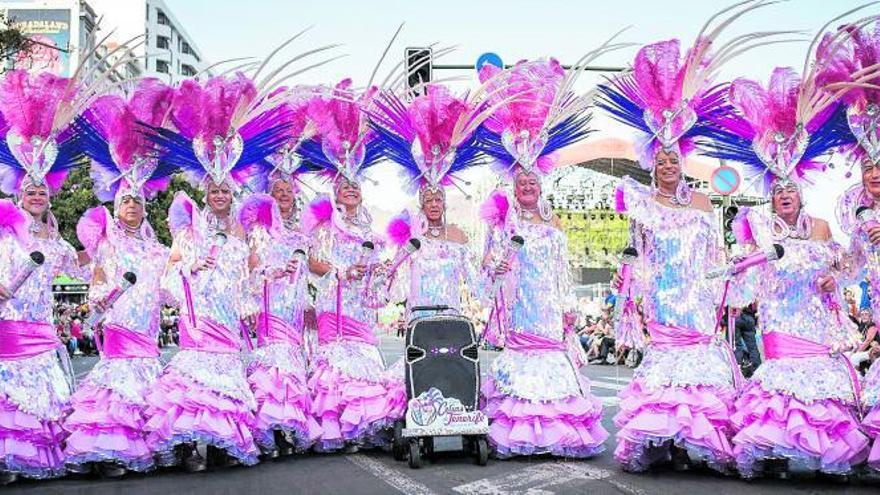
433, 140
852, 63
278, 369
203, 395
678, 406
40, 147
353, 399
536, 399
106, 426
798, 411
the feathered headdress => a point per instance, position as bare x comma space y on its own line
344, 145
39, 145
434, 137
781, 131
853, 63
670, 100
222, 130
124, 161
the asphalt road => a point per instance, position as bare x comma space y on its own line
376, 472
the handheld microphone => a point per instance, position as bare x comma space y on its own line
868, 220
128, 280
367, 248
409, 248
759, 258
630, 254
218, 242
35, 260
300, 256
516, 243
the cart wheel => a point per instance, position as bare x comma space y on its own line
415, 454
398, 445
482, 448
429, 447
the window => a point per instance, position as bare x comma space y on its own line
187, 70
162, 42
162, 18
162, 66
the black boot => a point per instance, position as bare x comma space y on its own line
680, 460
219, 458
7, 478
776, 468
110, 470
192, 461
284, 447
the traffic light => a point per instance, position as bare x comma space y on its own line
727, 224
419, 68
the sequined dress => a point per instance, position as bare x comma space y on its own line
203, 394
537, 401
278, 369
34, 389
682, 393
799, 408
354, 399
107, 422
434, 275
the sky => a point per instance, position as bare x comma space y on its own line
514, 29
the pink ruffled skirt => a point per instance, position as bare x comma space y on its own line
352, 410
569, 427
283, 403
695, 418
29, 446
182, 410
819, 436
106, 426
871, 426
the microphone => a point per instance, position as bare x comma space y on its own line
759, 258
409, 248
300, 256
128, 279
630, 254
516, 243
867, 217
367, 248
219, 240
35, 260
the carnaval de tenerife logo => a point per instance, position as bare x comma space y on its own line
431, 409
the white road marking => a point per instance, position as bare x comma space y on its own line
607, 385
394, 478
538, 479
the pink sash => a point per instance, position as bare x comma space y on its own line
271, 329
26, 339
209, 336
778, 345
666, 337
345, 328
521, 341
120, 342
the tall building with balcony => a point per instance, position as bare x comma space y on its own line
168, 52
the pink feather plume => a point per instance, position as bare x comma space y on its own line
13, 221
434, 116
92, 228
258, 210
182, 213
400, 229
339, 116
742, 228
29, 101
771, 109
495, 209
531, 88
207, 111
319, 212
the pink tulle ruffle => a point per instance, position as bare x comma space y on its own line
354, 411
29, 446
283, 403
820, 436
871, 426
567, 428
695, 418
182, 410
106, 427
